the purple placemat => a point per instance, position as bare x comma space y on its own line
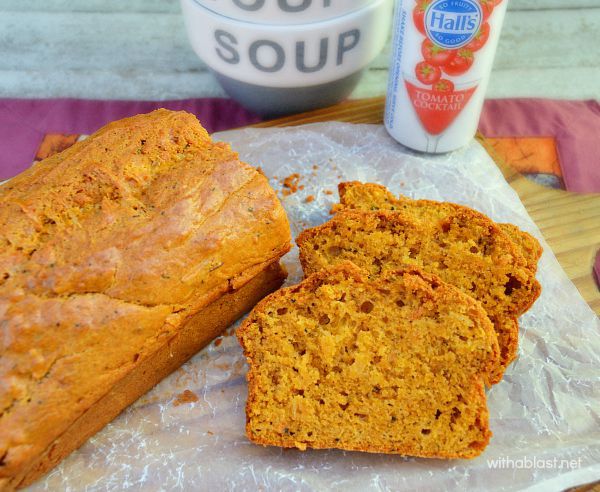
25, 122
574, 124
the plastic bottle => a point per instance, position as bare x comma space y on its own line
442, 55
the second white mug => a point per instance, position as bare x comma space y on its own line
283, 11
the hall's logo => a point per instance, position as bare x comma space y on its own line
453, 23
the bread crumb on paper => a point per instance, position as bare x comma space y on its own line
291, 184
187, 396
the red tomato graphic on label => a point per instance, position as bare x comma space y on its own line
443, 85
435, 54
427, 73
487, 7
460, 63
419, 15
437, 110
480, 38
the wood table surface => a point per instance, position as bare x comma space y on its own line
137, 49
570, 222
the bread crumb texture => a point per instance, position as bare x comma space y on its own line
391, 364
107, 248
465, 248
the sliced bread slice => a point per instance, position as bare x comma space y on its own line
391, 364
372, 196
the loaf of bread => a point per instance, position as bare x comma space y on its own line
391, 364
464, 249
121, 257
372, 196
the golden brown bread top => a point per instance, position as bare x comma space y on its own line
108, 214
388, 364
372, 196
107, 248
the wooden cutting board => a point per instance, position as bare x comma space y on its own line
570, 222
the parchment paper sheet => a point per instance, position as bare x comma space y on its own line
547, 406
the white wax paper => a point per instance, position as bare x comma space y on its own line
546, 408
